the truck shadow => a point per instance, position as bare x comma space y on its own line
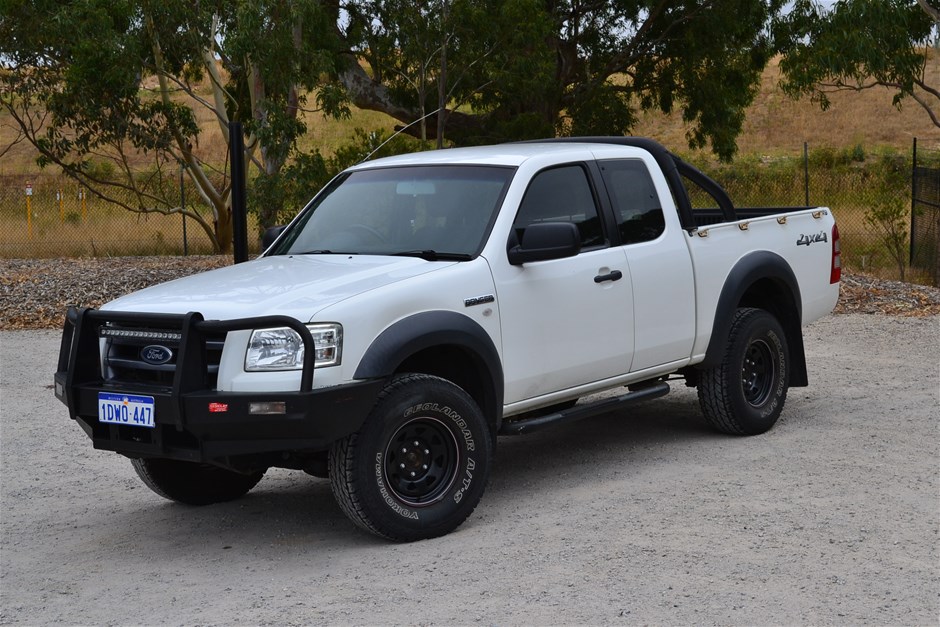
291, 510
622, 441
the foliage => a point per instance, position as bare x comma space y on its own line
105, 80
859, 44
525, 68
889, 219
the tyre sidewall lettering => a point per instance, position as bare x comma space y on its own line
471, 448
466, 465
446, 412
392, 503
464, 482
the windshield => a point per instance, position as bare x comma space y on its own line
435, 212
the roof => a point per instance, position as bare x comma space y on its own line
513, 154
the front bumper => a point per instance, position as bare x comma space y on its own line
193, 422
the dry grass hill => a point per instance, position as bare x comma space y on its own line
776, 125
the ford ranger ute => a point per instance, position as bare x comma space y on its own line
423, 304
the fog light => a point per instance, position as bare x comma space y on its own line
270, 407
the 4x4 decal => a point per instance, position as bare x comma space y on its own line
806, 240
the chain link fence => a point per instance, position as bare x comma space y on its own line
54, 217
925, 213
867, 192
850, 182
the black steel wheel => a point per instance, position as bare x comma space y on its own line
421, 461
745, 393
194, 484
758, 373
418, 466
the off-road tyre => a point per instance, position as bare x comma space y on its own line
745, 393
418, 466
192, 483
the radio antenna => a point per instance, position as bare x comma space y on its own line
396, 133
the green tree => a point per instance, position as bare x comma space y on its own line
889, 219
530, 68
121, 81
860, 44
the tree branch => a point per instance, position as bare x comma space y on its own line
926, 107
929, 10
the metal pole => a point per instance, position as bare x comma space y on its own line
29, 212
182, 210
910, 260
239, 206
806, 171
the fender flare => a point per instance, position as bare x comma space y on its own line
785, 303
430, 329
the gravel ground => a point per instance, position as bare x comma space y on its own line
635, 517
36, 292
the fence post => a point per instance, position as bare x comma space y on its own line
910, 261
806, 171
236, 142
182, 210
29, 212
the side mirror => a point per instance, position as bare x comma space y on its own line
270, 234
544, 241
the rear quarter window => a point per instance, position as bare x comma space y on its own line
636, 204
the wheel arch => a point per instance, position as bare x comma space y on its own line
444, 344
763, 280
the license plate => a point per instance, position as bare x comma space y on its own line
125, 409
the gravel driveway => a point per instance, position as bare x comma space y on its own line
635, 517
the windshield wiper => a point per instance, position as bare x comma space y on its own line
323, 251
433, 255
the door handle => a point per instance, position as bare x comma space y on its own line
613, 275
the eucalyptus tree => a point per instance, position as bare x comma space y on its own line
860, 44
530, 68
122, 82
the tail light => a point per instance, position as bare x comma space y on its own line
835, 274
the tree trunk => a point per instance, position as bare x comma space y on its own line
223, 229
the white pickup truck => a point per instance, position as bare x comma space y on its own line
421, 305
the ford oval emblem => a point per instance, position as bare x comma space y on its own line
156, 355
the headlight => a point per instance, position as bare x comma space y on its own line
282, 348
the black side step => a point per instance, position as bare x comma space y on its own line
518, 427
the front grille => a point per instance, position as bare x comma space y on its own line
125, 349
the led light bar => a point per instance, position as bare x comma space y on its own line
138, 334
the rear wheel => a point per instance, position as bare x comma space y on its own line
745, 393
418, 466
192, 483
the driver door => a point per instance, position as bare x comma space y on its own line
565, 322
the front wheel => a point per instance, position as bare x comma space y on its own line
418, 466
192, 483
744, 394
